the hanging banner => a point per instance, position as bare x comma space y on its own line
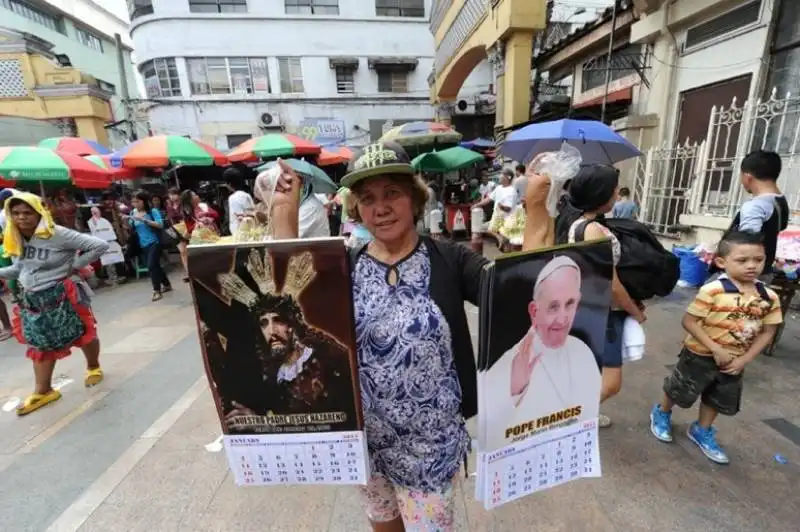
323, 131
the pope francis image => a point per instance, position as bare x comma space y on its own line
548, 377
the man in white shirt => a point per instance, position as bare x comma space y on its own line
313, 222
505, 198
549, 377
520, 183
240, 202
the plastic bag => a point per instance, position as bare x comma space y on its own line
559, 166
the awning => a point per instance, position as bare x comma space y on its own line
344, 62
407, 63
616, 96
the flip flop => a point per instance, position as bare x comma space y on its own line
36, 401
93, 377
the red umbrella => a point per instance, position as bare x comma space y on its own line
24, 164
341, 155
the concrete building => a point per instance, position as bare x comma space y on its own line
724, 81
335, 71
75, 41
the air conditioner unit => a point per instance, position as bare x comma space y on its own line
269, 121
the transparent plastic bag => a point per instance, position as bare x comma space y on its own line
559, 166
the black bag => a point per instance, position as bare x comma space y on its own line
645, 268
168, 236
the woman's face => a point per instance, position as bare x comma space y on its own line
138, 204
195, 200
174, 197
386, 208
25, 218
157, 202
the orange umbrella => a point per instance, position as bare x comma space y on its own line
341, 155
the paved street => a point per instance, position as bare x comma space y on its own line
133, 453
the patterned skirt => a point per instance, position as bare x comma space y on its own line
54, 320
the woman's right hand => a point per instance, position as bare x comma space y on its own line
287, 190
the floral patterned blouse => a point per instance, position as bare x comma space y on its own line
410, 391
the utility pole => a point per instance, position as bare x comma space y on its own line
126, 95
608, 59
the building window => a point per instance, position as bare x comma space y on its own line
724, 24
291, 71
228, 75
24, 9
345, 80
625, 61
218, 6
235, 140
312, 7
106, 86
161, 78
140, 8
400, 8
89, 39
392, 80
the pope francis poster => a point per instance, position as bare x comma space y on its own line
548, 321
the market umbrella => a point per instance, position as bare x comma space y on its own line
341, 155
74, 145
596, 142
273, 145
446, 160
478, 144
167, 150
104, 161
320, 181
24, 164
420, 133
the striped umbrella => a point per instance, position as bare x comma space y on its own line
104, 161
421, 133
273, 145
167, 150
24, 164
341, 155
74, 145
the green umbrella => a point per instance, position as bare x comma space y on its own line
446, 160
321, 183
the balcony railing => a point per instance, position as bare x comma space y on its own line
469, 17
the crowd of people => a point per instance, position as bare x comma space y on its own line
403, 277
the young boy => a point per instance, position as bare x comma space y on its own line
730, 321
625, 207
767, 212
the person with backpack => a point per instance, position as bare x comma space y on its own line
767, 211
592, 193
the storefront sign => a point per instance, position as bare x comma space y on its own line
324, 131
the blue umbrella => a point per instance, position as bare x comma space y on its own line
479, 143
597, 142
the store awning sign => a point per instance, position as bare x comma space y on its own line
323, 131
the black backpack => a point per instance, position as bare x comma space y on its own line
645, 269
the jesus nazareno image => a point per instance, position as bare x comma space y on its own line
279, 372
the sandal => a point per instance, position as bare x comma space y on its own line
157, 295
166, 288
93, 377
36, 401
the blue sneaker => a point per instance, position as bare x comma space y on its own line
706, 439
661, 424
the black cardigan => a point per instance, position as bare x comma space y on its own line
455, 278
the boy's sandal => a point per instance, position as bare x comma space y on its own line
93, 377
36, 401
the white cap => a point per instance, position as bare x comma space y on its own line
562, 261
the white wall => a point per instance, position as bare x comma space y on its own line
211, 122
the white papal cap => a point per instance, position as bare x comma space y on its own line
557, 263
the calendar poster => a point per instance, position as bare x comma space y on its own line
276, 327
545, 315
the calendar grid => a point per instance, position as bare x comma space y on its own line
324, 458
537, 464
